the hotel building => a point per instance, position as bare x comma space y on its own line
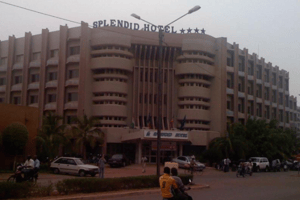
112, 73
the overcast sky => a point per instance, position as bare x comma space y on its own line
270, 28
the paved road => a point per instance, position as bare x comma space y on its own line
224, 186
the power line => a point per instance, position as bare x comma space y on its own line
103, 28
92, 27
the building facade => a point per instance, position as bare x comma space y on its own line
112, 73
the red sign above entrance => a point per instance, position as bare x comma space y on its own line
164, 146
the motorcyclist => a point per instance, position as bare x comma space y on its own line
166, 183
29, 164
181, 195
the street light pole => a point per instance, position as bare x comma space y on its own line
159, 106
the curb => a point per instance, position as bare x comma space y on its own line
119, 194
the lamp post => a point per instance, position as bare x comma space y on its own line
159, 109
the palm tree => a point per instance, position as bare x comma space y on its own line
85, 133
51, 135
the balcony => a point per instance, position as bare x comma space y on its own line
230, 69
250, 97
229, 113
73, 59
267, 84
51, 84
267, 103
35, 63
18, 66
241, 74
17, 87
72, 82
258, 100
72, 105
229, 91
250, 78
52, 61
274, 87
241, 94
33, 86
258, 81
50, 106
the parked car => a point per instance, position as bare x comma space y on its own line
118, 160
71, 165
260, 163
185, 160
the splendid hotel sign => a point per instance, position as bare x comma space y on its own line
167, 134
146, 27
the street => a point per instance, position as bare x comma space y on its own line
224, 186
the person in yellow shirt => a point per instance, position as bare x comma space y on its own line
166, 183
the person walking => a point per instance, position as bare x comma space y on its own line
37, 164
101, 165
167, 183
144, 160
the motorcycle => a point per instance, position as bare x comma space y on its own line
240, 172
184, 192
285, 166
19, 175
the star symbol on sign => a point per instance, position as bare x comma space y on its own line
203, 31
182, 31
196, 30
189, 30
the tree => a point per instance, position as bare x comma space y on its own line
85, 133
14, 138
51, 135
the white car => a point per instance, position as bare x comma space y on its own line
70, 165
260, 163
185, 160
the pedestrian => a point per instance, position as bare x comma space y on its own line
101, 165
225, 165
144, 159
37, 164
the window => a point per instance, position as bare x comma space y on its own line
34, 99
17, 100
34, 78
72, 96
3, 61
36, 56
51, 98
2, 81
74, 50
74, 73
52, 76
19, 58
17, 79
54, 53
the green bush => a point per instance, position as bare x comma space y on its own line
10, 190
89, 185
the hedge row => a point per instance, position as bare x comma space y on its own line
9, 190
89, 185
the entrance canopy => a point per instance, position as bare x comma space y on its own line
201, 138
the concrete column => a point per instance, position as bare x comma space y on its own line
138, 152
180, 149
